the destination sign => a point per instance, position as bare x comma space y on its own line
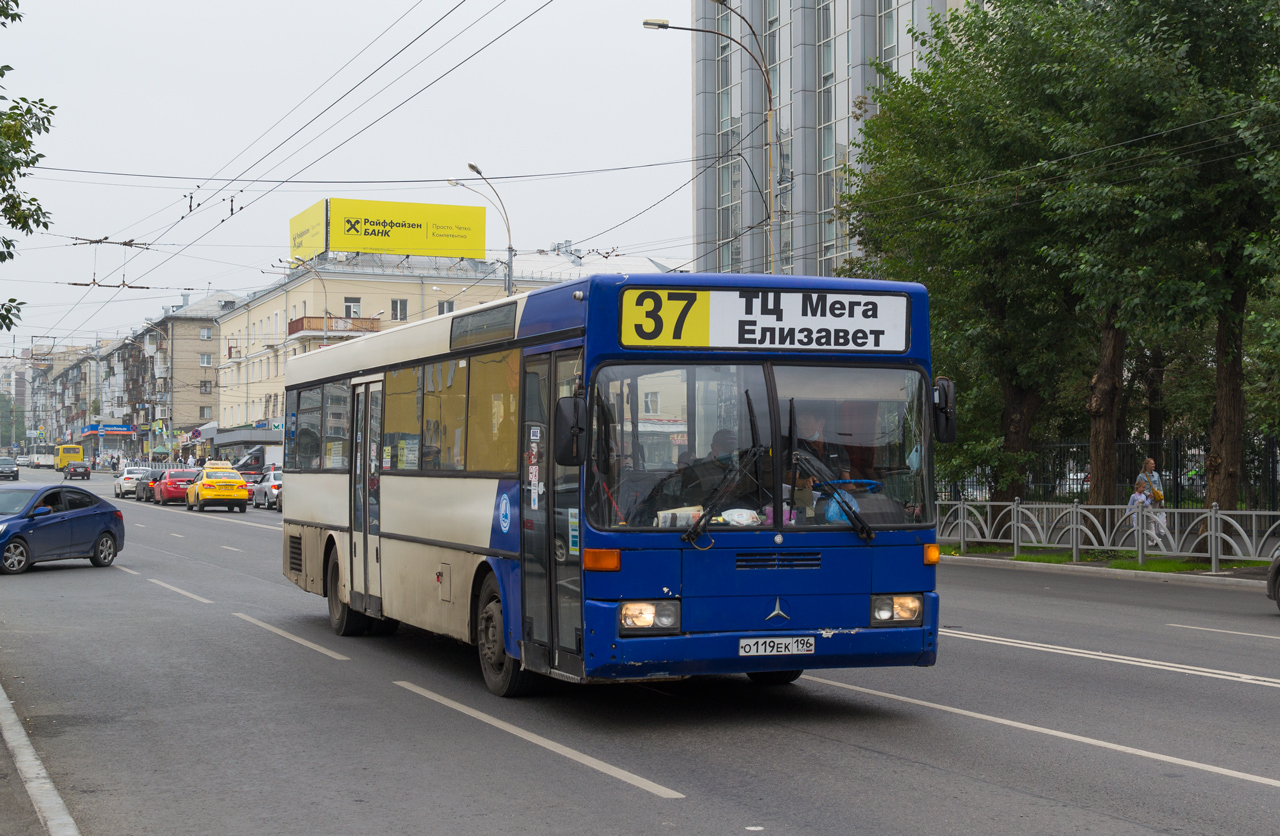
872, 323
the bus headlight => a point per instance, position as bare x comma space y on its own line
648, 618
896, 610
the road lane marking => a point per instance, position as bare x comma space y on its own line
1232, 632
130, 571
140, 525
291, 637
180, 591
209, 516
1092, 741
231, 548
171, 534
49, 805
1112, 657
538, 740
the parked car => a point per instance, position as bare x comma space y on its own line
56, 523
219, 486
24, 461
8, 468
126, 484
172, 486
280, 499
266, 490
147, 483
76, 470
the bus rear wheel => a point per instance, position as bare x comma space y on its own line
774, 677
502, 674
344, 620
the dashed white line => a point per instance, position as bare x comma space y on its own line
538, 740
231, 548
1102, 744
1232, 632
291, 637
130, 571
139, 525
171, 534
1173, 667
180, 591
49, 805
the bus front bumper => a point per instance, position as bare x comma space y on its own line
610, 657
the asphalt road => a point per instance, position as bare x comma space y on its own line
1060, 704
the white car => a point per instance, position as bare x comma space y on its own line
126, 484
24, 461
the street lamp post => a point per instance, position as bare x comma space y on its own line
653, 23
502, 210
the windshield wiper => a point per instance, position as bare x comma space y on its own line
860, 526
726, 484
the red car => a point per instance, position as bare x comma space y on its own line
173, 487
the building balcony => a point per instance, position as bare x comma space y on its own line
337, 325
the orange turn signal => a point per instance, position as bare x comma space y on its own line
931, 555
602, 560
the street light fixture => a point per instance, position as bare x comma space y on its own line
657, 23
502, 210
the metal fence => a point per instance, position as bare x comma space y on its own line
1151, 532
1059, 472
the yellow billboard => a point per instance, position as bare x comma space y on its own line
307, 232
375, 226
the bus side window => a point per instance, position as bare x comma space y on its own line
492, 412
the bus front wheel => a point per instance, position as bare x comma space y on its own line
344, 620
502, 674
774, 677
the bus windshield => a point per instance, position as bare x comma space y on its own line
671, 443
860, 432
667, 438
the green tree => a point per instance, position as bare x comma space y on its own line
20, 124
1166, 199
946, 191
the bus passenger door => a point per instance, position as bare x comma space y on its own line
366, 468
550, 551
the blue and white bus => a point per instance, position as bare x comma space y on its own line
631, 478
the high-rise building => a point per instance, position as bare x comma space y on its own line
818, 54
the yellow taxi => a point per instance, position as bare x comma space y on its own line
218, 485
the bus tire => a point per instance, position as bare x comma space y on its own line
344, 620
774, 677
502, 674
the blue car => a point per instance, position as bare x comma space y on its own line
56, 523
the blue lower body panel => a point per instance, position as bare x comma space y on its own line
608, 656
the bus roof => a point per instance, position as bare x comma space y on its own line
559, 310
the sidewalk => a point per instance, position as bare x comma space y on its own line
1253, 577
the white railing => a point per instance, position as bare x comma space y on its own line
1169, 532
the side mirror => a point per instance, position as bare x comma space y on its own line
944, 410
41, 511
571, 431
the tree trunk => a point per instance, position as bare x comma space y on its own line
1155, 408
1019, 415
1224, 465
1104, 391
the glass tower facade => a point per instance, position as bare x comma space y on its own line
818, 55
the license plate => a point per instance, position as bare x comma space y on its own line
776, 646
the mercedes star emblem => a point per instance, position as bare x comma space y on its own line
777, 611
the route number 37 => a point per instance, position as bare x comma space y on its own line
665, 317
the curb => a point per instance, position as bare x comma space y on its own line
1126, 574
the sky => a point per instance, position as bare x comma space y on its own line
193, 92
